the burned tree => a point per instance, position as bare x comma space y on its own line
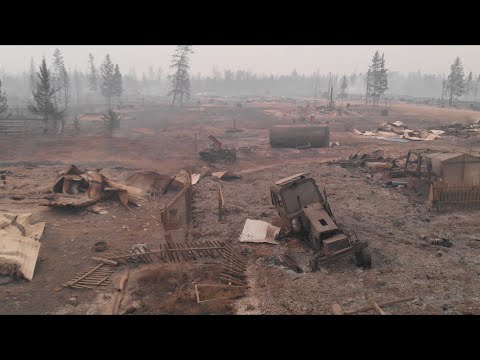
180, 78
455, 82
32, 75
43, 96
92, 75
108, 80
475, 96
343, 87
3, 104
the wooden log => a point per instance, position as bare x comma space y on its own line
106, 261
385, 304
375, 305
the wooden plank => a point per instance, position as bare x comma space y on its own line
120, 291
337, 309
385, 304
375, 305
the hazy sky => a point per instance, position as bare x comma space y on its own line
258, 58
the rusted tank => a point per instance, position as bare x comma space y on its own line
292, 136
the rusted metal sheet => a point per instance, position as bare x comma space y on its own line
151, 180
70, 201
77, 188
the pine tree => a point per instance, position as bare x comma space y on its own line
373, 77
43, 95
108, 81
383, 78
469, 79
60, 81
117, 82
180, 78
455, 83
475, 96
32, 75
3, 104
92, 74
377, 78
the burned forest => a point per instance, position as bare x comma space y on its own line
129, 188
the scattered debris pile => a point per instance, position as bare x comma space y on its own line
398, 131
374, 161
154, 183
338, 310
77, 188
19, 245
460, 129
439, 241
217, 152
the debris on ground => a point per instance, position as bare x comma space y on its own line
396, 131
77, 188
226, 175
19, 245
233, 267
338, 310
287, 261
217, 152
258, 231
439, 241
153, 182
94, 276
100, 246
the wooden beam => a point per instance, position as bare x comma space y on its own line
375, 305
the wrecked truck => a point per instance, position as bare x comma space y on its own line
306, 214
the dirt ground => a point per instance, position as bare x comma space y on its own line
394, 221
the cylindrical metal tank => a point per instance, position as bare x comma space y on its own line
292, 136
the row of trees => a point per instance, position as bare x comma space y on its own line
51, 86
107, 81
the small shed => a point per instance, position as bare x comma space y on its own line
455, 168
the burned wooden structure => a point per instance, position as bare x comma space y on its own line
453, 178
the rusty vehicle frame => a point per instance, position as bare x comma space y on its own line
306, 214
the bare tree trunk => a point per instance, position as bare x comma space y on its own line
174, 97
451, 98
443, 87
475, 97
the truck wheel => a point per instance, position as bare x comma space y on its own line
364, 259
229, 160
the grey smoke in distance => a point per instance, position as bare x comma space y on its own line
261, 59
